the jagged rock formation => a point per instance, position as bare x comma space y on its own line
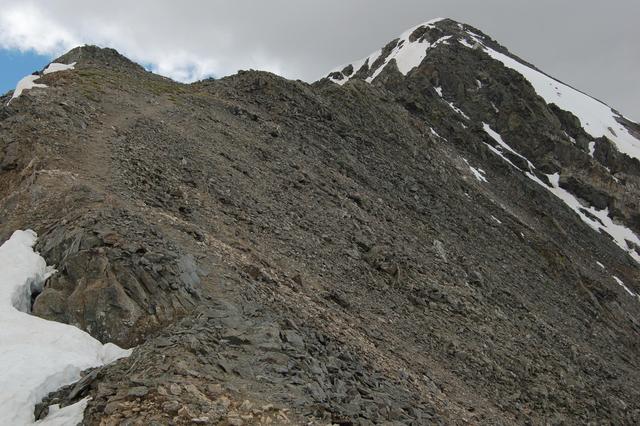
397, 248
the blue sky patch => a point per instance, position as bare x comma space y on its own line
14, 65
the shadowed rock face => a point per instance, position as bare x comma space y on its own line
119, 289
319, 253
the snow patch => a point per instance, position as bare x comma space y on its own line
600, 265
29, 82
438, 90
496, 219
496, 137
592, 148
621, 284
26, 83
434, 133
501, 155
478, 173
37, 356
458, 110
57, 67
571, 138
69, 415
465, 43
407, 55
369, 60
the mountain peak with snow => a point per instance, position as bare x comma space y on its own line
457, 63
406, 53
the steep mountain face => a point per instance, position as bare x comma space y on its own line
557, 133
446, 235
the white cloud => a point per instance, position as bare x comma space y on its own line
149, 33
25, 27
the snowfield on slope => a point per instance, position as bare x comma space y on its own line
597, 118
38, 356
29, 82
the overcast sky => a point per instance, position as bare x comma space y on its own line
590, 44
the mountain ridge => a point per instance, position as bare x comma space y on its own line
394, 252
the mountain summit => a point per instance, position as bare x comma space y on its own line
423, 57
437, 233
